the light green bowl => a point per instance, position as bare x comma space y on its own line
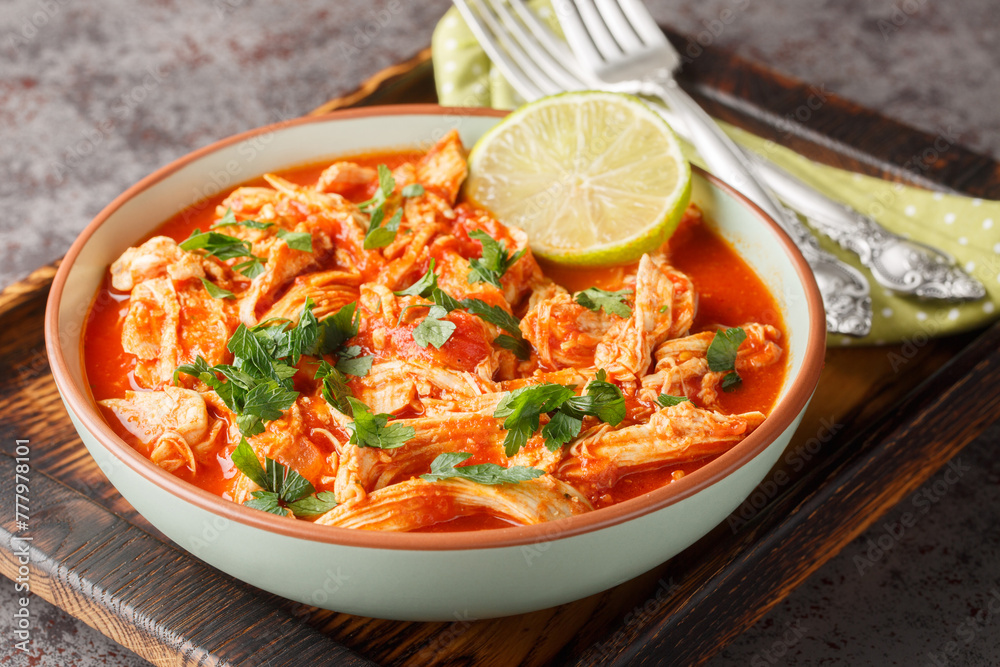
402, 575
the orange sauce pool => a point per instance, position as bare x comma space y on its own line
729, 293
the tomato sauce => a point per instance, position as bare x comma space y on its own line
729, 293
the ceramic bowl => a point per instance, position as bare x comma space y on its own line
401, 575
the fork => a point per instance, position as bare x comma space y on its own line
619, 40
532, 59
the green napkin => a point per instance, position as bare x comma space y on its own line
968, 229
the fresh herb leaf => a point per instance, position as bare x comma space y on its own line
434, 329
445, 466
445, 300
731, 381
303, 339
356, 366
217, 244
266, 501
522, 408
373, 430
562, 428
667, 401
282, 489
313, 506
257, 387
386, 184
223, 246
722, 353
229, 220
335, 390
296, 240
412, 190
338, 328
246, 461
424, 287
268, 400
613, 303
379, 236
602, 400
251, 268
200, 370
518, 346
494, 262
496, 315
250, 354
293, 485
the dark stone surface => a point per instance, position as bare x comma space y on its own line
95, 95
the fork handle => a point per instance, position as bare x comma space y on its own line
845, 291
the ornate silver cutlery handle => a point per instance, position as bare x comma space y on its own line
902, 265
845, 291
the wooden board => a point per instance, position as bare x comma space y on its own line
845, 467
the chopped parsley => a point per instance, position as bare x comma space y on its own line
380, 235
522, 409
494, 262
223, 246
374, 430
229, 220
722, 353
445, 466
296, 240
424, 286
257, 386
613, 303
217, 292
283, 489
335, 390
666, 400
435, 330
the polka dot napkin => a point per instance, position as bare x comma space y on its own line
968, 229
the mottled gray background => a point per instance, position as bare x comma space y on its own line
95, 95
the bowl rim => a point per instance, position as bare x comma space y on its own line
781, 417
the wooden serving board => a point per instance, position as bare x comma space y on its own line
866, 441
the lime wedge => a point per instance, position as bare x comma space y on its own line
594, 178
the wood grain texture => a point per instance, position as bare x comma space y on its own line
837, 482
156, 599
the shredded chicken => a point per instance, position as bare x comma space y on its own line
417, 503
676, 434
625, 351
682, 367
446, 387
174, 422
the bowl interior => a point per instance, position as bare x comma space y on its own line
226, 164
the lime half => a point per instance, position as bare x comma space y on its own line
594, 178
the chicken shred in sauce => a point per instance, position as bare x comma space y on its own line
156, 313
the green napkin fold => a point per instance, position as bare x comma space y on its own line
968, 229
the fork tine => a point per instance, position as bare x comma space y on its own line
560, 55
642, 22
597, 29
620, 27
577, 36
493, 43
538, 51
